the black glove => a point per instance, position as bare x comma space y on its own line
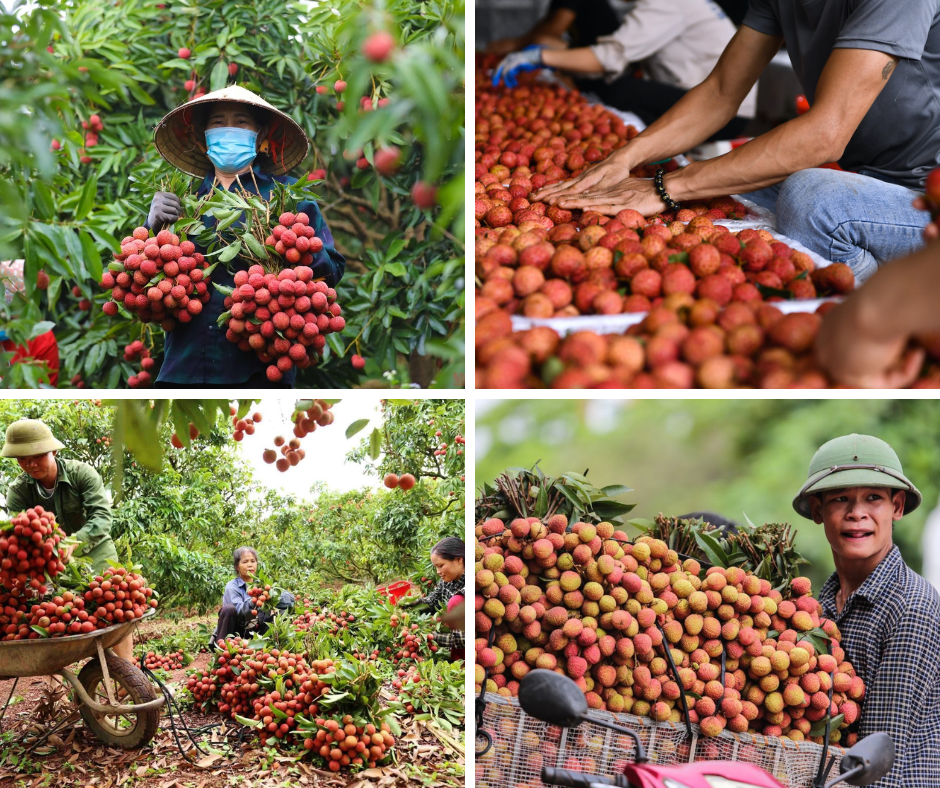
165, 208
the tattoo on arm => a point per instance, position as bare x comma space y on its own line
889, 67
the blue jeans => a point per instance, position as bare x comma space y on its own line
846, 217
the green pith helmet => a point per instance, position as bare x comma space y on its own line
28, 437
855, 461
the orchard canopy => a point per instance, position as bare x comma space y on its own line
317, 488
376, 86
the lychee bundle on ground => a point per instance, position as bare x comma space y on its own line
154, 661
294, 239
332, 623
30, 552
341, 742
683, 343
283, 318
617, 266
587, 603
159, 279
238, 682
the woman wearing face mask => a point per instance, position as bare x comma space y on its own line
235, 140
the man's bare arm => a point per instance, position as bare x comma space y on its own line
849, 84
694, 118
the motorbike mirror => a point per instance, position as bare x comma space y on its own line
552, 698
869, 760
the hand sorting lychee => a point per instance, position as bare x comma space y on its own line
255, 230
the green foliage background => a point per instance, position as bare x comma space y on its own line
182, 522
734, 457
403, 293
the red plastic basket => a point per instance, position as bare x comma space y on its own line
395, 591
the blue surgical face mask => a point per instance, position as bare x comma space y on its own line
230, 149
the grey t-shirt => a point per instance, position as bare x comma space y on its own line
899, 137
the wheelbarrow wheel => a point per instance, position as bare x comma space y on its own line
131, 686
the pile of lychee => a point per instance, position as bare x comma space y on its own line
404, 482
623, 265
333, 622
113, 597
587, 602
237, 682
160, 280
683, 343
153, 661
283, 318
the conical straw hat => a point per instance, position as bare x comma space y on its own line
183, 145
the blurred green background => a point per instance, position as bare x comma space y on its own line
733, 457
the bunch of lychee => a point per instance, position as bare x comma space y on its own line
305, 422
294, 239
261, 598
193, 434
283, 318
587, 602
413, 645
158, 279
341, 742
245, 426
404, 482
30, 552
136, 351
333, 622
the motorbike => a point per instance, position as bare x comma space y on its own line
557, 700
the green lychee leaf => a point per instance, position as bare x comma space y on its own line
769, 292
819, 729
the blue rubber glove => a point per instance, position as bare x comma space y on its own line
528, 59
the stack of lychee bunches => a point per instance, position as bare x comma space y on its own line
585, 602
30, 552
242, 681
159, 279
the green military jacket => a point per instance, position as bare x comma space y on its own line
80, 504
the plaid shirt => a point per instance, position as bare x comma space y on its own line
891, 634
443, 591
198, 352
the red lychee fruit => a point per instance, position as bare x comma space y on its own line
232, 69
387, 160
406, 482
378, 47
358, 362
423, 195
339, 86
184, 53
42, 280
188, 85
56, 145
391, 480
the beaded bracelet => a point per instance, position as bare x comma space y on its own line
671, 204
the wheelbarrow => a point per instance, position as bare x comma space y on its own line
117, 702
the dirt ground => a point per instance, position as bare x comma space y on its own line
74, 757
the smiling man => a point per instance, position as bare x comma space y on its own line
889, 616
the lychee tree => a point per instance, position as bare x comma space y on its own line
378, 88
